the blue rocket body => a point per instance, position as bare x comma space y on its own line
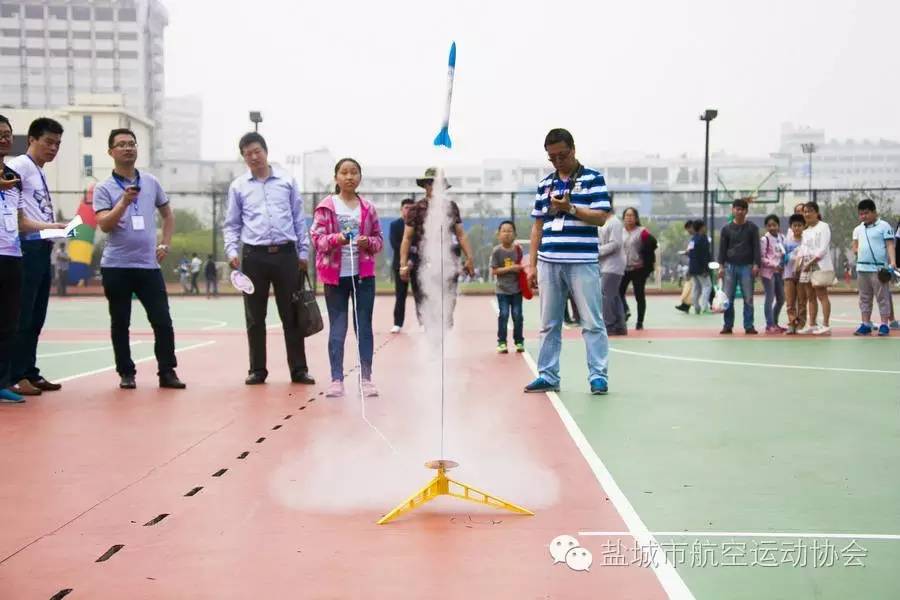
443, 136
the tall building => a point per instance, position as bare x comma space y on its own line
181, 128
51, 50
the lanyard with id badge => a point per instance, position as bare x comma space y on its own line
10, 218
558, 189
137, 220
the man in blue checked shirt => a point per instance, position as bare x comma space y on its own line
265, 216
571, 203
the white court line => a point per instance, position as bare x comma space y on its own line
84, 350
669, 578
752, 534
137, 362
713, 361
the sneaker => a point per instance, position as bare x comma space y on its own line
863, 329
8, 396
781, 329
539, 386
895, 325
599, 386
639, 326
685, 308
791, 331
395, 329
520, 347
369, 389
726, 331
884, 330
822, 330
751, 331
807, 330
501, 348
772, 330
335, 390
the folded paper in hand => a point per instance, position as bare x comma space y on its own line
69, 231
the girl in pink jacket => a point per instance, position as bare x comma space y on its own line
771, 251
347, 236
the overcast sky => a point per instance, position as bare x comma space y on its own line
368, 78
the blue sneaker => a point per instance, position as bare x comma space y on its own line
883, 330
895, 324
863, 329
599, 386
10, 397
540, 385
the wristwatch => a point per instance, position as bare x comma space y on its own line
163, 247
572, 210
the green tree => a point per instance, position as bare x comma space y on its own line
186, 221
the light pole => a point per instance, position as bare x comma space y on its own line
809, 149
708, 115
256, 119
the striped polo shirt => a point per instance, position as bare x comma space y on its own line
577, 241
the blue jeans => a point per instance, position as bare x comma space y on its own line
739, 275
510, 303
337, 299
556, 281
774, 288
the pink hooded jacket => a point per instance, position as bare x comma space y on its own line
325, 233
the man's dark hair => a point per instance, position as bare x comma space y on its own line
698, 225
120, 131
740, 203
406, 201
772, 217
507, 222
689, 224
252, 138
556, 136
44, 125
5, 120
867, 204
795, 218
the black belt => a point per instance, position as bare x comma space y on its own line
274, 249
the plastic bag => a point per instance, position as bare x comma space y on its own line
720, 301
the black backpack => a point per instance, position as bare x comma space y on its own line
648, 251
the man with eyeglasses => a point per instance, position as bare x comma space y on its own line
125, 205
570, 204
265, 233
44, 138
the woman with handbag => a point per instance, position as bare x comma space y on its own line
347, 236
817, 262
640, 248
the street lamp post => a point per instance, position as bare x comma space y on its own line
707, 116
809, 149
256, 119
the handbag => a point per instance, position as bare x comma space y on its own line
306, 309
523, 277
820, 278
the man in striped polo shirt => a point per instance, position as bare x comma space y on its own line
571, 203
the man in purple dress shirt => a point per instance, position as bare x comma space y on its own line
265, 234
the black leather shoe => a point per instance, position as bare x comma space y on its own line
127, 382
170, 380
303, 378
255, 379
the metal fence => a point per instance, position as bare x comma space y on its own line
201, 215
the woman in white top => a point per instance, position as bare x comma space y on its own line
816, 260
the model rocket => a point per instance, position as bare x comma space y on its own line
443, 136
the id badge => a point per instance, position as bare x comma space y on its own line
558, 224
11, 222
137, 222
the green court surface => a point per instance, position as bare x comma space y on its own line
785, 451
777, 458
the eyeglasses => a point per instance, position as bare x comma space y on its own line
125, 145
559, 156
6, 136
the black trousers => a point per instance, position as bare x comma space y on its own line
637, 277
281, 271
10, 306
148, 285
36, 277
400, 290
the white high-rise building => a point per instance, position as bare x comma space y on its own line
51, 50
181, 128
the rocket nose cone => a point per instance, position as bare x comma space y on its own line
453, 54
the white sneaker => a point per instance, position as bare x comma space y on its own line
822, 330
335, 390
395, 329
807, 330
369, 389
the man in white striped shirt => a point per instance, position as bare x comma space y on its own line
570, 204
